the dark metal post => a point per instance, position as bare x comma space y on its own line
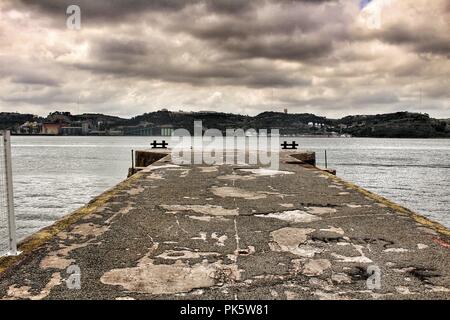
132, 160
326, 160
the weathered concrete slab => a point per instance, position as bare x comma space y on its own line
226, 232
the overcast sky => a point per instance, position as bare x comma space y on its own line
328, 57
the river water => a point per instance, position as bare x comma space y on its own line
53, 176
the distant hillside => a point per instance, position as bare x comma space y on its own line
393, 125
288, 123
109, 122
99, 117
11, 119
219, 121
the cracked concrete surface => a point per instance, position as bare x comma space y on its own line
226, 232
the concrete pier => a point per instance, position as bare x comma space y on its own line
227, 232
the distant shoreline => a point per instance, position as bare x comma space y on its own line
406, 125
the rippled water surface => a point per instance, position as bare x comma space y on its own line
56, 175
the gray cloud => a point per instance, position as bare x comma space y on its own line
423, 40
106, 9
35, 80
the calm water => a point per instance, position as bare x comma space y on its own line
55, 175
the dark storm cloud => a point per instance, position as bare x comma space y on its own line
117, 8
207, 75
107, 9
128, 50
134, 58
277, 30
423, 40
101, 11
297, 49
35, 80
230, 6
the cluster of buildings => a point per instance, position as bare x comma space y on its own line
59, 123
64, 124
